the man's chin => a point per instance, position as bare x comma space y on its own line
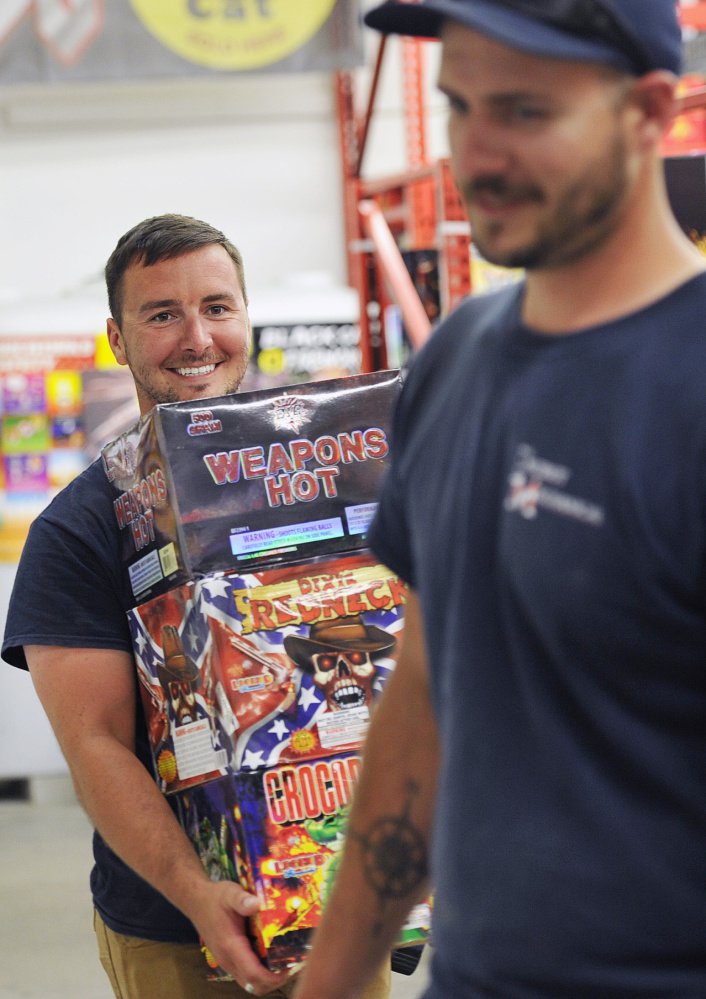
516, 257
182, 389
201, 388
209, 389
205, 385
509, 260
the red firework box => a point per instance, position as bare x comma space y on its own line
239, 673
279, 833
250, 479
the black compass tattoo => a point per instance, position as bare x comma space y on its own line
394, 855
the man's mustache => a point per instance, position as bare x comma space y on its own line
498, 187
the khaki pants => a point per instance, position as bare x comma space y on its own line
147, 969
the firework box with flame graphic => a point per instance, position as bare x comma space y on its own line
279, 833
250, 479
242, 672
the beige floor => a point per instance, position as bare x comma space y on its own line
46, 938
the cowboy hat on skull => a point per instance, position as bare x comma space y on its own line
342, 633
338, 657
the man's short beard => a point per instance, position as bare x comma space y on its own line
571, 233
160, 395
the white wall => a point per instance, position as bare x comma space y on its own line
27, 744
255, 155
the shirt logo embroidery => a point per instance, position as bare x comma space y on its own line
535, 484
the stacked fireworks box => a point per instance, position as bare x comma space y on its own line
263, 628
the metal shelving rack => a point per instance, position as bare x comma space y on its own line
417, 210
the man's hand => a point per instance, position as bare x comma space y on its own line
221, 921
89, 696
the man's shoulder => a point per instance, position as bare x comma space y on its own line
485, 311
80, 517
90, 490
681, 303
478, 324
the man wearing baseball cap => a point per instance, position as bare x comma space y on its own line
539, 756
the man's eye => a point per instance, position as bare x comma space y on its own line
527, 113
217, 310
161, 317
456, 105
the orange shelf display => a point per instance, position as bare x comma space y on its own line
417, 217
407, 235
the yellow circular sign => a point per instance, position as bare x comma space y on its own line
233, 34
271, 361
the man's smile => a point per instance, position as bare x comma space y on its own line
196, 372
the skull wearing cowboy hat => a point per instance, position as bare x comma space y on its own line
338, 655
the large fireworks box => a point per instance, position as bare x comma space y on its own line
223, 484
242, 672
279, 833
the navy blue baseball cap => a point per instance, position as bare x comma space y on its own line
632, 35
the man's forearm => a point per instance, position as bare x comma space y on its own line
133, 817
384, 870
89, 696
383, 875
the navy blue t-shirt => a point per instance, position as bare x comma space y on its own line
546, 499
70, 591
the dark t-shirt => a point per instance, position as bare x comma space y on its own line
70, 591
546, 500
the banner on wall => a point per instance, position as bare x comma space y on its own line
296, 352
51, 41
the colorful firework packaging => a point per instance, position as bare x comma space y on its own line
279, 832
263, 628
250, 479
244, 672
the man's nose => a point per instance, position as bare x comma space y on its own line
196, 333
478, 150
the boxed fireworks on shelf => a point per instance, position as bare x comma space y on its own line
279, 833
241, 672
257, 478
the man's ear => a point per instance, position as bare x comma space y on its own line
654, 95
115, 339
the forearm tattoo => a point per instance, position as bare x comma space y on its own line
394, 856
